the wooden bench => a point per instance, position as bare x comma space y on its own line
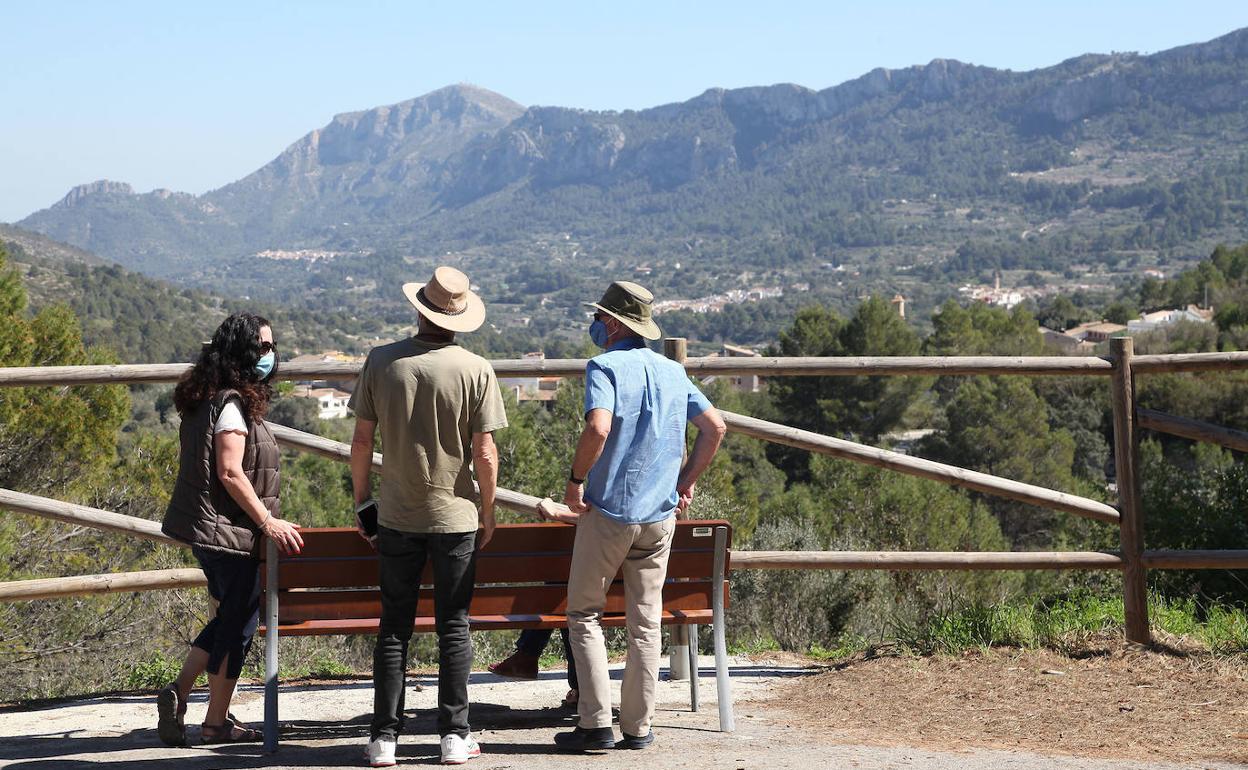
521, 582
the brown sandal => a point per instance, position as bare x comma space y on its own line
170, 710
229, 732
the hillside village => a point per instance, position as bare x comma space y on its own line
1080, 339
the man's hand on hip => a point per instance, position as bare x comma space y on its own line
574, 498
685, 491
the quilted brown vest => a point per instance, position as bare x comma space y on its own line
201, 512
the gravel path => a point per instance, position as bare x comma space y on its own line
326, 725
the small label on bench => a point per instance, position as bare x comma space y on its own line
702, 531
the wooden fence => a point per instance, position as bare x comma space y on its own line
1121, 368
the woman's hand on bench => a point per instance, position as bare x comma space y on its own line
284, 533
551, 511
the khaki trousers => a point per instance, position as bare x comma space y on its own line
602, 546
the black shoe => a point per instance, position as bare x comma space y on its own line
635, 742
582, 739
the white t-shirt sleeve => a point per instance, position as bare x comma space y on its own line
231, 418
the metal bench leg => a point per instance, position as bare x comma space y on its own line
693, 667
677, 642
270, 650
724, 689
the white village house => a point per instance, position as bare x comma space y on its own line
1084, 337
1148, 322
534, 387
331, 403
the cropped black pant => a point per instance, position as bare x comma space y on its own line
234, 581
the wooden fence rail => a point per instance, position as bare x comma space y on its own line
832, 366
81, 515
901, 561
925, 560
891, 561
1193, 429
85, 585
917, 466
1190, 362
336, 450
1171, 559
317, 445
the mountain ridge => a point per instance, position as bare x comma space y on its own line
1234, 43
464, 166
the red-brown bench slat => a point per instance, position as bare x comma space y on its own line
368, 626
298, 606
508, 538
363, 571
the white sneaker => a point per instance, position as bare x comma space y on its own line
381, 752
457, 751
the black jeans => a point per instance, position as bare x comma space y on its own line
234, 581
533, 642
402, 558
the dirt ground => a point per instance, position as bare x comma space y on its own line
1115, 702
980, 712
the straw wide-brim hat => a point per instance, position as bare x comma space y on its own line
447, 300
632, 305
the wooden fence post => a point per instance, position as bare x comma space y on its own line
1126, 465
677, 349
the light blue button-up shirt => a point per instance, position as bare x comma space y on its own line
650, 399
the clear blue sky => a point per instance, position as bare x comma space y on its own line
193, 96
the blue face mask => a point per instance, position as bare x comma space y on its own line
598, 333
264, 367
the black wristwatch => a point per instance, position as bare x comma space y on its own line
572, 477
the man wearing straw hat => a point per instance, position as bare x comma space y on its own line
437, 406
628, 482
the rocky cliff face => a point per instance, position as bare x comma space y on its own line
551, 145
718, 131
432, 126
101, 187
1203, 78
1106, 88
368, 158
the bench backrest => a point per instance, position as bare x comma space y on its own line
523, 571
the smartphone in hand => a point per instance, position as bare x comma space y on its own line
366, 515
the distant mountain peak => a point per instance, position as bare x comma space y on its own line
369, 155
482, 96
98, 187
453, 100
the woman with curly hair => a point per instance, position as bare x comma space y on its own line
225, 501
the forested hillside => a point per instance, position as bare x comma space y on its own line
144, 320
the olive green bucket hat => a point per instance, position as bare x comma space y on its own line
630, 304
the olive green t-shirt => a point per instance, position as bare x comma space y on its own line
427, 399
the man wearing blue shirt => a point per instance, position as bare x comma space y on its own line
629, 481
